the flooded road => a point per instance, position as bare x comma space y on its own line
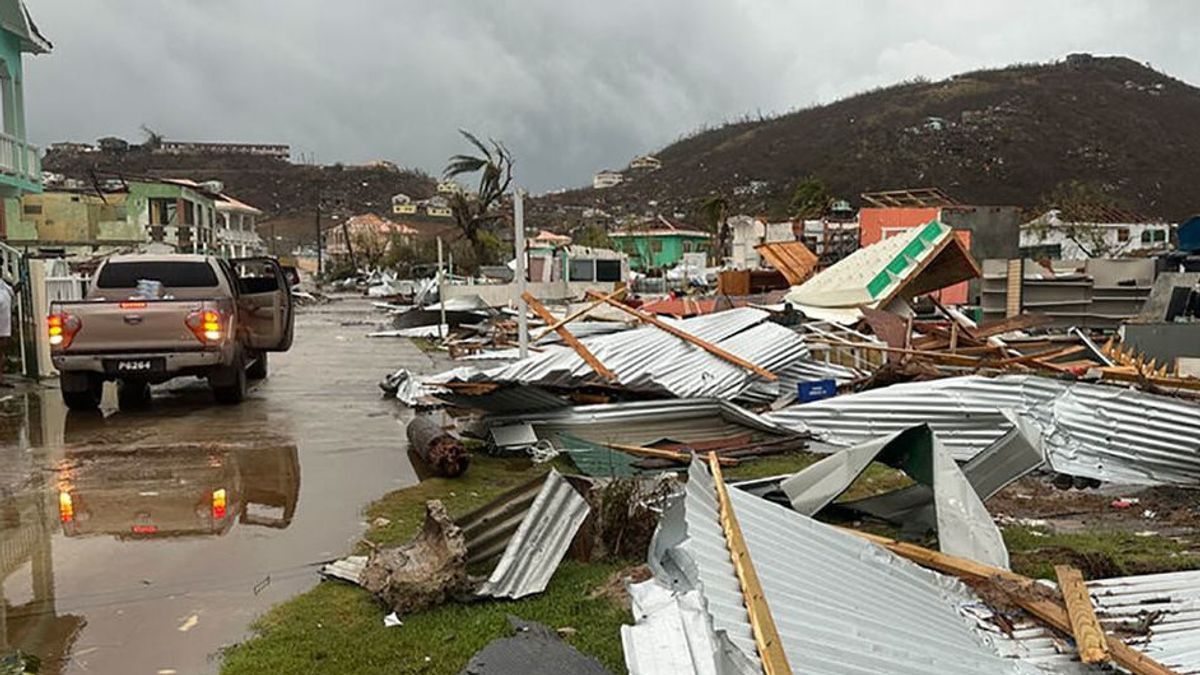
143, 542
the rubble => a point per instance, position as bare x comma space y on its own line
424, 573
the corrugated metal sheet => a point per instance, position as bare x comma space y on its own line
648, 359
841, 604
642, 422
674, 635
539, 544
1173, 599
1097, 431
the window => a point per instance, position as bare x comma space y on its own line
582, 270
1160, 235
656, 246
687, 247
33, 209
1122, 234
608, 270
162, 211
172, 274
1147, 236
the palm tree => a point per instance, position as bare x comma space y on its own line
473, 212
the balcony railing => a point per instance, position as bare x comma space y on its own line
20, 159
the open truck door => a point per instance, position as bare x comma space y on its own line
265, 304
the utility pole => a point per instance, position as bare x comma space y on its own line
519, 240
318, 225
441, 297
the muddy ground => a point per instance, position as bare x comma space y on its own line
148, 569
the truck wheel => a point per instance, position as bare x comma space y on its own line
232, 378
133, 394
81, 391
258, 369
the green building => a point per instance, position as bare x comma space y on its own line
20, 166
659, 246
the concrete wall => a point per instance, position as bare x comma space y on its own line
995, 230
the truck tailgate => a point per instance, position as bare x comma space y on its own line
134, 326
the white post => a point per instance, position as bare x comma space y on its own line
519, 240
441, 295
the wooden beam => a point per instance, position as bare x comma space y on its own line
572, 342
687, 337
552, 326
951, 359
762, 624
663, 453
1089, 635
1052, 613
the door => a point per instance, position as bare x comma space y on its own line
265, 305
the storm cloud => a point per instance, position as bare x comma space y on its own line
570, 87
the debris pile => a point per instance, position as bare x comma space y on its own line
859, 369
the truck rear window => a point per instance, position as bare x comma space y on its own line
171, 274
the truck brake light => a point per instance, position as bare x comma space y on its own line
66, 507
218, 504
62, 328
206, 325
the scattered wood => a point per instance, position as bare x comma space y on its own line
1054, 614
687, 337
551, 326
658, 453
572, 342
762, 624
1089, 635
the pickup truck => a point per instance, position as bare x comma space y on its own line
150, 318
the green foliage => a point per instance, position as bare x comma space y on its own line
593, 235
19, 663
810, 198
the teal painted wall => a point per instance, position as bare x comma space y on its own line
10, 53
655, 251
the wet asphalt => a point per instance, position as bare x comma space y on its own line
145, 541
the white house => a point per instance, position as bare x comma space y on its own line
645, 163
607, 179
237, 235
403, 204
747, 232
1052, 235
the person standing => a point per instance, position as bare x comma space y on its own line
7, 300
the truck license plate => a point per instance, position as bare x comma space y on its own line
135, 366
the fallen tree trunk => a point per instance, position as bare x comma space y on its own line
442, 452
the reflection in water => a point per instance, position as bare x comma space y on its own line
88, 476
176, 490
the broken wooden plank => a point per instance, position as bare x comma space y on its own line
551, 326
1089, 635
792, 258
1052, 613
762, 624
687, 337
661, 453
572, 342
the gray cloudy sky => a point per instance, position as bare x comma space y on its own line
571, 87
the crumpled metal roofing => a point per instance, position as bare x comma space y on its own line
840, 604
540, 542
642, 422
1174, 636
673, 635
1103, 432
650, 360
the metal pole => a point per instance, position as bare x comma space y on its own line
441, 296
318, 225
519, 240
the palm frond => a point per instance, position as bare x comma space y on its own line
460, 164
476, 142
